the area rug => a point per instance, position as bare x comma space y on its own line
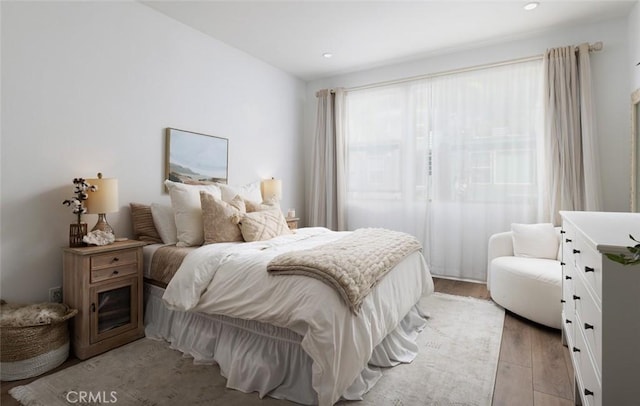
456, 365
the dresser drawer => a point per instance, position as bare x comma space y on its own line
589, 265
566, 238
114, 259
589, 385
588, 320
568, 276
98, 275
568, 308
567, 327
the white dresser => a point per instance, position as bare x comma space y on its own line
601, 307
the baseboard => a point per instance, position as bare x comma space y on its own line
458, 279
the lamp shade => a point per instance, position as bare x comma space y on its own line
105, 199
272, 188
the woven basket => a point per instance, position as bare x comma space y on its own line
30, 350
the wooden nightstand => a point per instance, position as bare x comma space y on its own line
105, 284
292, 222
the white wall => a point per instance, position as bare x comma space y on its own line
90, 87
610, 73
634, 46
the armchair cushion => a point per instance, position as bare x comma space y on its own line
535, 240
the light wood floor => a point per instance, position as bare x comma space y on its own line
534, 368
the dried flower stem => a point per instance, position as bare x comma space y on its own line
81, 188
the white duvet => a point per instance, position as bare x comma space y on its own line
231, 279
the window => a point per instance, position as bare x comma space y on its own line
450, 159
468, 136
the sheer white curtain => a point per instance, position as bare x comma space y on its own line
327, 195
450, 159
572, 181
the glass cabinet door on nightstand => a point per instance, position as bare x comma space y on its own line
113, 308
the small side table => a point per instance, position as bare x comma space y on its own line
292, 222
105, 284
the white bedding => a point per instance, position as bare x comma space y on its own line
231, 279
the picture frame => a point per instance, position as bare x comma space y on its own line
635, 151
195, 158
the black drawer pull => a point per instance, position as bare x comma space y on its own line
576, 297
567, 240
93, 307
562, 263
567, 277
116, 259
587, 392
576, 251
562, 231
563, 301
589, 269
567, 321
576, 349
588, 326
115, 273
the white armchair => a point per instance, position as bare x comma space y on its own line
530, 287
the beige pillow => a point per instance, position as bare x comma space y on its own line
262, 225
218, 221
185, 200
253, 205
142, 220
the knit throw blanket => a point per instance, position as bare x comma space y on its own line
352, 265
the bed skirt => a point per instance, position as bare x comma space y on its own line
259, 357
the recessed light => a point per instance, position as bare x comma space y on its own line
532, 5
327, 55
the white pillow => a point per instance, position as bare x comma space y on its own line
535, 240
185, 200
250, 191
165, 222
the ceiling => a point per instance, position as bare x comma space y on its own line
293, 35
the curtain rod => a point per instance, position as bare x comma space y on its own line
592, 48
595, 47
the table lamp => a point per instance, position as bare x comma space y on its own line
103, 201
272, 189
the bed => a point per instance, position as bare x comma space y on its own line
220, 292
286, 336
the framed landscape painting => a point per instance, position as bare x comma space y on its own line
195, 158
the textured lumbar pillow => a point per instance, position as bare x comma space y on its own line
142, 220
185, 200
219, 224
262, 225
535, 240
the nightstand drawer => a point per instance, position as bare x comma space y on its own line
99, 275
112, 259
